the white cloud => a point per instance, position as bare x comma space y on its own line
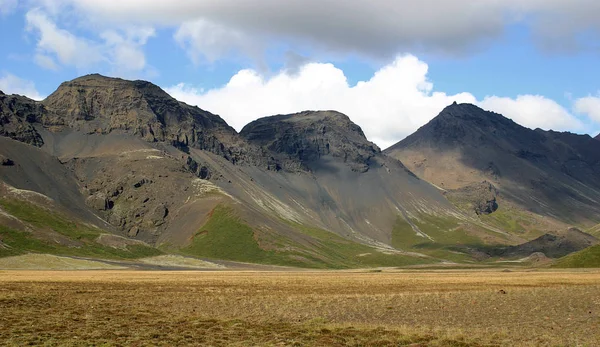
11, 84
589, 106
66, 47
126, 50
8, 6
392, 104
120, 48
208, 41
534, 111
45, 61
376, 29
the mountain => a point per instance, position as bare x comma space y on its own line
551, 174
110, 168
307, 137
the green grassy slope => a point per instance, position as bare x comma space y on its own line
445, 233
587, 258
226, 236
81, 237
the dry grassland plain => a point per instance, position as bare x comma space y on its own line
222, 308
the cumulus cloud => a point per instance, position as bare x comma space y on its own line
377, 29
55, 42
534, 111
11, 84
589, 106
392, 104
126, 50
122, 49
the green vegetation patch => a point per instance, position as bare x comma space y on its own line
344, 253
226, 236
445, 231
587, 258
513, 221
83, 237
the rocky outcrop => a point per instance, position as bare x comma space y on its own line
479, 197
98, 104
202, 171
553, 245
95, 104
308, 136
100, 202
4, 161
17, 113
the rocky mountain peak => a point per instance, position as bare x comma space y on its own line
460, 125
307, 136
99, 104
112, 103
472, 114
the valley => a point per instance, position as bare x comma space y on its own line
301, 308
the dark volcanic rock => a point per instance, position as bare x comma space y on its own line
6, 161
99, 201
17, 113
308, 136
481, 197
466, 124
202, 171
98, 104
553, 245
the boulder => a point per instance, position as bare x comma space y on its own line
100, 202
133, 231
6, 161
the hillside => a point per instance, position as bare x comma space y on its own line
587, 258
141, 169
550, 174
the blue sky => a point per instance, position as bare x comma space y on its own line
390, 65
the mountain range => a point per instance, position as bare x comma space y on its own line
116, 169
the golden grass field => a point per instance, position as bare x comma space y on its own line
226, 308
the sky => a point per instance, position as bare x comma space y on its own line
390, 65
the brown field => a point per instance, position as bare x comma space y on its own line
444, 308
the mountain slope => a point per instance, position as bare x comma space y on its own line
305, 189
587, 258
549, 173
